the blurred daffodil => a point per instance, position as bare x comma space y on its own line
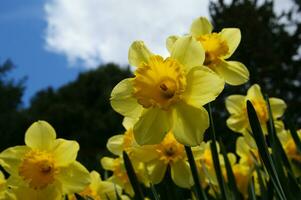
46, 167
291, 150
5, 192
218, 48
120, 177
100, 190
236, 106
168, 94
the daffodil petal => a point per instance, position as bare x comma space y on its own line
189, 124
235, 104
170, 41
254, 92
107, 163
278, 106
115, 144
65, 151
200, 26
203, 86
152, 126
11, 158
40, 135
181, 174
232, 37
188, 52
138, 54
235, 123
123, 101
73, 178
234, 73
156, 171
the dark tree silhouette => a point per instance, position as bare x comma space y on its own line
269, 48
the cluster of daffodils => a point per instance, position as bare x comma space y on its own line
46, 168
164, 115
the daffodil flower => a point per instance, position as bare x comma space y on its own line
5, 192
291, 150
46, 167
218, 48
168, 94
99, 189
236, 106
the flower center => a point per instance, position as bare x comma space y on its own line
291, 150
207, 158
215, 47
170, 150
88, 192
159, 83
119, 171
38, 168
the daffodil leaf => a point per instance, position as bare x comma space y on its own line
154, 192
216, 162
263, 150
251, 189
231, 179
79, 197
132, 177
263, 189
200, 194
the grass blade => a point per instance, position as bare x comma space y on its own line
200, 194
132, 177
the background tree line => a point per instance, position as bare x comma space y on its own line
80, 110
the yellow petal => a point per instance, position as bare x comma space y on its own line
65, 151
107, 163
40, 135
200, 26
181, 174
74, 178
156, 170
234, 73
129, 122
254, 93
152, 126
138, 54
278, 107
203, 86
232, 37
235, 104
123, 101
115, 144
237, 123
189, 124
11, 158
188, 52
242, 148
107, 190
170, 41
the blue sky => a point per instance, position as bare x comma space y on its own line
21, 38
52, 41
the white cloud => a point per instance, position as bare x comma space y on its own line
91, 31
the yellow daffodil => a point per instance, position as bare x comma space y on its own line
46, 167
168, 94
291, 150
100, 190
236, 106
5, 191
218, 47
169, 153
120, 177
247, 150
